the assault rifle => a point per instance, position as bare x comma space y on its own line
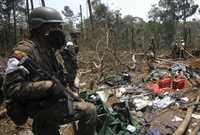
37, 74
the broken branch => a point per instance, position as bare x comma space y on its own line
181, 129
196, 129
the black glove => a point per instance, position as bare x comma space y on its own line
60, 91
56, 39
57, 89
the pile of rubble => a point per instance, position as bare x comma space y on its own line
165, 102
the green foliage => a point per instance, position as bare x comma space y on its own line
178, 9
102, 15
6, 22
70, 19
169, 13
6, 7
67, 12
114, 31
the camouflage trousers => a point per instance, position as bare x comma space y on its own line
47, 121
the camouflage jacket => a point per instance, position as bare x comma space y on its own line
18, 84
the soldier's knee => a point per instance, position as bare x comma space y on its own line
91, 108
84, 106
90, 114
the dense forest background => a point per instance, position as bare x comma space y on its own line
106, 29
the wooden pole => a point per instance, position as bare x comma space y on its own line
27, 10
43, 3
27, 14
32, 5
181, 129
81, 16
117, 36
133, 47
15, 26
184, 24
90, 11
196, 129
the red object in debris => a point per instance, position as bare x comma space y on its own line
165, 83
179, 83
153, 87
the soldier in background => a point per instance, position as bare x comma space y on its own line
43, 100
175, 50
75, 37
150, 59
150, 55
69, 54
152, 48
182, 49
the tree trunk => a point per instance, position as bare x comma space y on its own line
32, 5
81, 16
43, 3
6, 41
189, 37
184, 24
133, 45
27, 11
14, 16
117, 36
90, 11
1, 42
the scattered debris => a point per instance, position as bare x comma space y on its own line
116, 80
163, 103
153, 105
176, 118
196, 116
116, 120
153, 132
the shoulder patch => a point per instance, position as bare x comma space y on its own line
22, 49
19, 54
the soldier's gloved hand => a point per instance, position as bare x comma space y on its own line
57, 89
56, 38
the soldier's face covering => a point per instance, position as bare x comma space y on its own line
54, 35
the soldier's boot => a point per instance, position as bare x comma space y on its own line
87, 118
21, 130
42, 128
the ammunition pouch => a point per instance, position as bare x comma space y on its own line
16, 112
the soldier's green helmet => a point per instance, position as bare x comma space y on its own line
42, 15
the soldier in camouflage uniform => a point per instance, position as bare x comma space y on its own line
42, 100
69, 56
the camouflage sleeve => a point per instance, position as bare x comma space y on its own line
18, 85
